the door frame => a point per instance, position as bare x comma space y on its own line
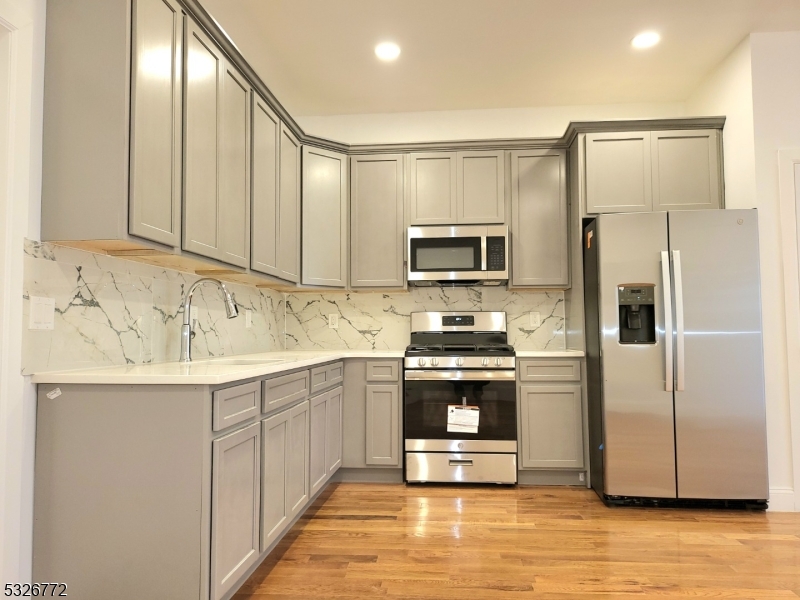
789, 201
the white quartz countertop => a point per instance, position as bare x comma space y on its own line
228, 369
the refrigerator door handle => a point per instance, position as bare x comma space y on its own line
669, 372
679, 345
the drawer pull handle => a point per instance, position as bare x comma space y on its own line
460, 463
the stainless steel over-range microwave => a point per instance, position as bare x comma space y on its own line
458, 255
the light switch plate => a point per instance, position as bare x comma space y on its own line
248, 319
333, 321
42, 313
535, 319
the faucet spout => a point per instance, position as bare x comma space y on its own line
231, 311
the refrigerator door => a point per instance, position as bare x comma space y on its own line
720, 416
639, 454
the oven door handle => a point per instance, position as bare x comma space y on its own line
500, 374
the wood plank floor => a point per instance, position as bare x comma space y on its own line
436, 542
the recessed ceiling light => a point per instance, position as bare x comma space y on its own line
387, 51
647, 39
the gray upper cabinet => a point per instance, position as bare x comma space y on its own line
551, 427
266, 137
376, 221
618, 172
217, 157
432, 188
289, 207
235, 502
481, 187
324, 218
686, 173
539, 223
156, 121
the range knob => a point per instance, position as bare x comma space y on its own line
498, 362
435, 362
421, 362
459, 362
484, 362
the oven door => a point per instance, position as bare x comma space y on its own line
440, 254
429, 394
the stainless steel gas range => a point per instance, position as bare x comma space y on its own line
460, 406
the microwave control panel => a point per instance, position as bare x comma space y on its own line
496, 253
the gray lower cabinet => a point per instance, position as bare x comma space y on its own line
235, 502
156, 121
480, 189
539, 219
637, 171
297, 481
325, 437
217, 154
289, 207
376, 221
266, 139
275, 463
324, 218
383, 425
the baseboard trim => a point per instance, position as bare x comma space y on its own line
544, 477
783, 500
375, 475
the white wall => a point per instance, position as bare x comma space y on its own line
776, 116
543, 121
22, 27
728, 91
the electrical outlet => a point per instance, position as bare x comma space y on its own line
535, 319
248, 319
333, 321
582, 477
193, 315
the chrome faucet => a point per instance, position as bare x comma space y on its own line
186, 331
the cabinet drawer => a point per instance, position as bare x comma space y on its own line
236, 404
383, 370
326, 376
285, 390
549, 370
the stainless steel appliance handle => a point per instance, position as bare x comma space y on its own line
669, 377
460, 375
484, 263
460, 462
680, 380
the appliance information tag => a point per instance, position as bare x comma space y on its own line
462, 419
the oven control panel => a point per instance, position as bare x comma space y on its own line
460, 362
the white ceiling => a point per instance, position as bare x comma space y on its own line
317, 55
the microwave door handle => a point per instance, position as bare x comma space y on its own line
483, 253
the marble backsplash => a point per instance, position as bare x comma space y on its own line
378, 321
111, 311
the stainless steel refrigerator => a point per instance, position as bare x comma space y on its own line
674, 356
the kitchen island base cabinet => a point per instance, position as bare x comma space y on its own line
235, 506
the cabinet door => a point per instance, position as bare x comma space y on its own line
289, 207
266, 136
297, 464
234, 169
686, 173
235, 489
432, 188
204, 69
618, 172
318, 429
383, 425
376, 221
551, 427
156, 121
539, 230
333, 433
324, 218
275, 509
481, 187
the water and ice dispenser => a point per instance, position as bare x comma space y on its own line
637, 313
